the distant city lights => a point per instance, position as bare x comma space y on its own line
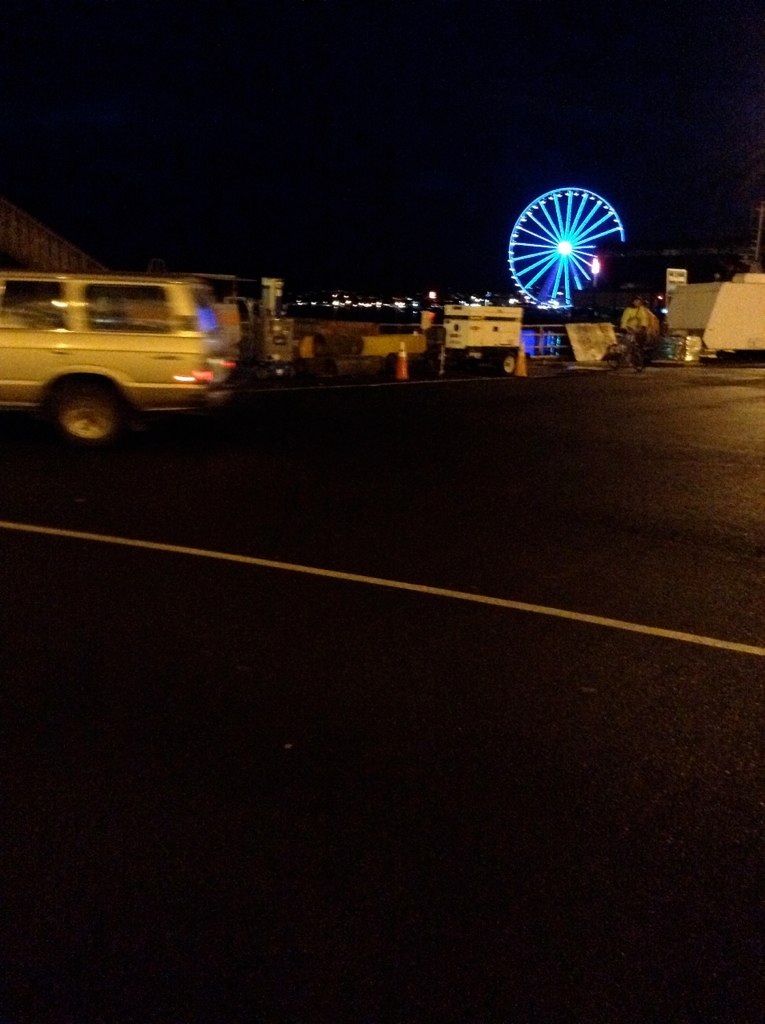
341, 303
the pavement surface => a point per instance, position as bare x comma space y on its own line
428, 701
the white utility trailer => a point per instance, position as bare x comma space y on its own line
725, 316
483, 334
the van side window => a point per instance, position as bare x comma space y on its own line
134, 308
34, 305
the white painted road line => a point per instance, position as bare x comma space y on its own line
375, 581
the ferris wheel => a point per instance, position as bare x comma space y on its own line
554, 242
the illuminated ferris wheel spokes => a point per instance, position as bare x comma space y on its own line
553, 243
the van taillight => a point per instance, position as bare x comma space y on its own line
195, 377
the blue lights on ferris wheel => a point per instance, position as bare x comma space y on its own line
554, 242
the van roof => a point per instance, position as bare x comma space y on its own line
52, 275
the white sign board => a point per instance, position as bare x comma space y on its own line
675, 276
590, 342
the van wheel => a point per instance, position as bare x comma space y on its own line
88, 413
508, 364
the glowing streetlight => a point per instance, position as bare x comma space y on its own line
595, 268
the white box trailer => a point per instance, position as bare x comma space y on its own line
727, 316
483, 334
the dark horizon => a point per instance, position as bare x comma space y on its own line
389, 149
645, 258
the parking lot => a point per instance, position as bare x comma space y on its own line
413, 702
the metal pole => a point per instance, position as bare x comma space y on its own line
758, 243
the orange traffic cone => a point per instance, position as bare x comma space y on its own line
520, 363
402, 363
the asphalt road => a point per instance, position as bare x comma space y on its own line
507, 769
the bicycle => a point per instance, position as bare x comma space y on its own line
626, 353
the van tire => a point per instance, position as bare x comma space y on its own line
88, 413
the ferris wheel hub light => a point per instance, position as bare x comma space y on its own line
565, 248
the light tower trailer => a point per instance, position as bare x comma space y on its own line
265, 336
483, 334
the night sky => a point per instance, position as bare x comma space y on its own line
374, 145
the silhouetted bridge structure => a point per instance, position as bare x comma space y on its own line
35, 247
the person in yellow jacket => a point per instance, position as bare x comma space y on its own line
639, 319
637, 316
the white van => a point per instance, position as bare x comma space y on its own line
93, 352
